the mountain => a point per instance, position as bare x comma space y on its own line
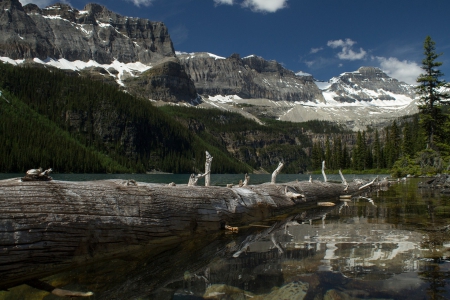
367, 84
95, 33
366, 97
249, 78
137, 56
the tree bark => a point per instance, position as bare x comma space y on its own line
49, 226
208, 169
276, 172
323, 172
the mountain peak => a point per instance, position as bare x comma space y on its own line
10, 4
98, 11
367, 84
371, 71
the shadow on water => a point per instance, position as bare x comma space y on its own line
391, 244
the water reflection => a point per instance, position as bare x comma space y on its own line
391, 244
368, 247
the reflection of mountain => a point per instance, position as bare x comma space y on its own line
363, 248
353, 247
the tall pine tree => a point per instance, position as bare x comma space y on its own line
431, 92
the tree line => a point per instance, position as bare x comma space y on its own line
371, 149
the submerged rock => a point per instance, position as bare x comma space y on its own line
290, 291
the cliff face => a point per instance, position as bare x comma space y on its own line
166, 81
95, 33
250, 77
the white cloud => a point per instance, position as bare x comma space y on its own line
405, 70
315, 50
138, 3
341, 43
42, 3
265, 5
347, 52
228, 2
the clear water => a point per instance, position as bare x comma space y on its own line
391, 244
216, 179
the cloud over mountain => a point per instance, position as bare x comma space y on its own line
141, 2
263, 6
406, 71
229, 2
347, 53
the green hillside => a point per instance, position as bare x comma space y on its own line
78, 125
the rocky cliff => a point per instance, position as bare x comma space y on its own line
166, 81
249, 77
95, 33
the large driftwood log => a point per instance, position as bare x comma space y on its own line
49, 226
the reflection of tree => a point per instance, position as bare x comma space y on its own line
436, 280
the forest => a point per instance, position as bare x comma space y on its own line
53, 119
71, 124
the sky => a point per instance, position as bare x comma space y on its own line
321, 37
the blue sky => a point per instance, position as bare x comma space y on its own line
320, 37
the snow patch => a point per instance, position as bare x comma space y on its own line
301, 73
55, 18
224, 99
215, 56
103, 25
12, 61
201, 54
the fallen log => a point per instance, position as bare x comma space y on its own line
51, 226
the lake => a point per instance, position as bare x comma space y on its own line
391, 244
216, 179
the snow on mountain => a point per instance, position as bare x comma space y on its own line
366, 87
301, 73
197, 54
123, 70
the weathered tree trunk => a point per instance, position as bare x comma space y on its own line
276, 172
48, 226
208, 169
323, 172
246, 180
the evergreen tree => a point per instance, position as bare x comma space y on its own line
395, 140
377, 151
317, 156
359, 152
430, 91
408, 142
328, 154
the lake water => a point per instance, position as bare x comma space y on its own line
216, 179
391, 244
